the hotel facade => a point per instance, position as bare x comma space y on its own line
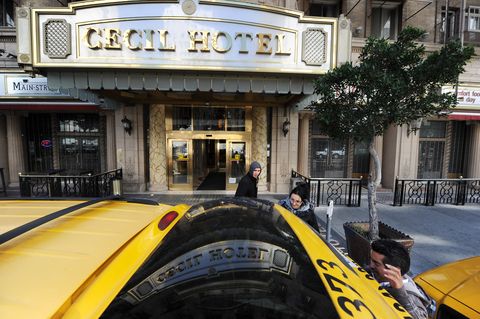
184, 95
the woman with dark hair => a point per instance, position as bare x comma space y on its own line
298, 203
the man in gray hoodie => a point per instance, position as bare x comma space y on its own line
389, 263
247, 187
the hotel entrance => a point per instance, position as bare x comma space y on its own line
208, 148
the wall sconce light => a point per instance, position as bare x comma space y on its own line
414, 126
286, 127
127, 125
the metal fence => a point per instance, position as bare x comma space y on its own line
99, 185
436, 191
342, 191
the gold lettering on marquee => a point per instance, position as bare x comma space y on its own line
280, 43
194, 40
243, 41
264, 43
149, 39
163, 41
127, 37
228, 39
221, 41
111, 38
88, 36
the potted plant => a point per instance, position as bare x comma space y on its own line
392, 83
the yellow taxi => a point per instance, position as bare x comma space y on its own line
228, 258
455, 287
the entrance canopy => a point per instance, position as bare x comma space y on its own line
186, 45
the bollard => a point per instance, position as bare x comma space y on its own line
117, 187
329, 219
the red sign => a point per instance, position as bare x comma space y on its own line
46, 143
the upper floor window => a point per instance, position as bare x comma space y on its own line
385, 19
450, 26
473, 18
323, 8
7, 13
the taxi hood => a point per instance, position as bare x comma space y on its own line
459, 280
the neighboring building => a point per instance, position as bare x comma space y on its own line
445, 147
186, 97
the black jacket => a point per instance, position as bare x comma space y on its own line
247, 187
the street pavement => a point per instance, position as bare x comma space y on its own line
441, 233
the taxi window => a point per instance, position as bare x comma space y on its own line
226, 262
445, 312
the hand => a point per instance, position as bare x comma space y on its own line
394, 276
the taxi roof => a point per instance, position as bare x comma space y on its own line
56, 258
74, 266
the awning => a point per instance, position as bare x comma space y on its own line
457, 116
150, 80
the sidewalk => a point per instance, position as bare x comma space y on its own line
442, 233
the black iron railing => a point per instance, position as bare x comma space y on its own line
429, 192
99, 185
342, 191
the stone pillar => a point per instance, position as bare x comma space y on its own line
284, 149
130, 148
158, 148
400, 155
110, 141
4, 154
16, 161
303, 141
473, 168
259, 142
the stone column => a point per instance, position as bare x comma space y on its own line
284, 149
158, 149
16, 161
303, 141
4, 154
473, 168
130, 148
110, 141
259, 142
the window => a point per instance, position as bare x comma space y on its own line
324, 9
7, 13
473, 19
219, 118
432, 149
449, 24
385, 19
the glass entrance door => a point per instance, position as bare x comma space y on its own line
180, 168
236, 164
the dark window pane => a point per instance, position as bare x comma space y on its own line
235, 120
208, 119
328, 158
78, 123
7, 13
182, 118
361, 159
433, 129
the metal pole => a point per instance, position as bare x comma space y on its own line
329, 219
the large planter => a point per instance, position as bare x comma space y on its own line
358, 243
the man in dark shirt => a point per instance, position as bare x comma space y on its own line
248, 184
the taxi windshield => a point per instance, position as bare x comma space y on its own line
226, 261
